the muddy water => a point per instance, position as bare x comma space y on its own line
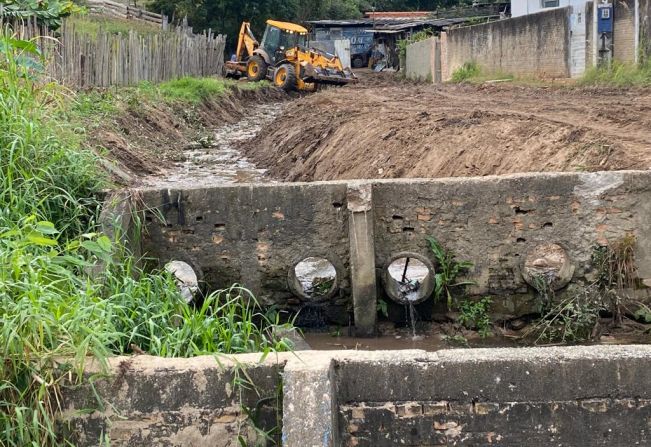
403, 340
222, 162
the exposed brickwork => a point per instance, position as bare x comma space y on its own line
445, 423
624, 31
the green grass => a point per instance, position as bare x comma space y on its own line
54, 313
93, 24
91, 107
619, 75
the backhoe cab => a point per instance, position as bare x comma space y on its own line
284, 58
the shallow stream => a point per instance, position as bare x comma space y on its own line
220, 162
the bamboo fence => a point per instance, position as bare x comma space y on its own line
81, 60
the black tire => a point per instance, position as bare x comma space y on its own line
256, 68
285, 77
358, 62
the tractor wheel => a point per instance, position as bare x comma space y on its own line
285, 77
358, 62
256, 68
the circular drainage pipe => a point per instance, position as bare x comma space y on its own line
403, 293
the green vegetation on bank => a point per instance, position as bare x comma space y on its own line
99, 104
57, 308
619, 75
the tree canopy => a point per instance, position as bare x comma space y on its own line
225, 16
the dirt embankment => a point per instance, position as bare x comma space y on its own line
387, 129
147, 137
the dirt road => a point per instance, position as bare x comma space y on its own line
382, 128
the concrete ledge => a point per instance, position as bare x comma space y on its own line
573, 396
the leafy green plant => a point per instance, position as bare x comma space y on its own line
474, 315
383, 307
447, 272
466, 72
47, 12
416, 37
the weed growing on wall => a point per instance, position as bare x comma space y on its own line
572, 319
615, 264
447, 272
575, 316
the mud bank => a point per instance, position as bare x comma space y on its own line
148, 139
388, 129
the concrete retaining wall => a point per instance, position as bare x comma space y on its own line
255, 234
578, 396
154, 401
536, 44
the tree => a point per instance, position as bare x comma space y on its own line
225, 16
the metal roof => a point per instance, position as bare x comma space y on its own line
394, 24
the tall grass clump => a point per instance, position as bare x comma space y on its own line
39, 173
618, 74
466, 72
55, 313
193, 90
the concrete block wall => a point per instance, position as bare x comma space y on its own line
421, 60
567, 396
532, 45
255, 234
645, 29
625, 33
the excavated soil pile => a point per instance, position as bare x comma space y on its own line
147, 137
382, 128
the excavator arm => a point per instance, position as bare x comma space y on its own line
246, 41
246, 45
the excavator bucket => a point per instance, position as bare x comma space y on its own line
331, 76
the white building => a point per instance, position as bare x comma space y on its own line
524, 7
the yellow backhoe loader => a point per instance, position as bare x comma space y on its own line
283, 57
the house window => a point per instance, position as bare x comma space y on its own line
550, 3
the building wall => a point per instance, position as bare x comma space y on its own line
535, 44
624, 31
524, 7
645, 29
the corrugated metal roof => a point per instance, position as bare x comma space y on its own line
394, 24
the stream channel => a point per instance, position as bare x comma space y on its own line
222, 163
